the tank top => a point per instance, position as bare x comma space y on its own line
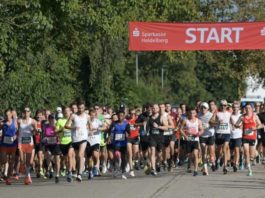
192, 130
25, 132
38, 135
134, 130
95, 137
236, 132
9, 133
153, 130
224, 127
248, 125
208, 130
81, 132
50, 135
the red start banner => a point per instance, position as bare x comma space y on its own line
147, 36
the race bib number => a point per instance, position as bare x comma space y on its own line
205, 125
67, 134
120, 137
193, 130
248, 132
191, 138
223, 126
155, 131
52, 140
80, 133
132, 127
8, 140
26, 140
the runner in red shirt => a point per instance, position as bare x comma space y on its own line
133, 142
251, 123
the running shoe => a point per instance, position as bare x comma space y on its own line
8, 182
74, 174
249, 173
69, 178
132, 173
56, 179
79, 178
153, 172
195, 173
123, 176
27, 180
235, 168
63, 172
225, 171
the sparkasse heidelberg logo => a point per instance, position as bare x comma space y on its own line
136, 32
262, 32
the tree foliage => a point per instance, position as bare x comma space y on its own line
54, 51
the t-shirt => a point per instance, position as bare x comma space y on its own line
65, 134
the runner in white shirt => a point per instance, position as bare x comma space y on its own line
207, 139
236, 135
192, 129
26, 127
78, 123
92, 150
223, 131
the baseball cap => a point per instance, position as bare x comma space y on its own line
27, 109
59, 109
205, 104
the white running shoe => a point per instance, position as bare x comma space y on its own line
132, 174
123, 176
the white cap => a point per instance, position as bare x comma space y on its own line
205, 104
59, 109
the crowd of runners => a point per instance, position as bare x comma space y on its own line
75, 141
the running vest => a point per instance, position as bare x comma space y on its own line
81, 131
208, 130
134, 130
248, 125
192, 130
224, 127
236, 132
50, 135
25, 132
95, 137
119, 134
9, 133
153, 130
65, 135
38, 135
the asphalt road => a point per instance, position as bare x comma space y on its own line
176, 184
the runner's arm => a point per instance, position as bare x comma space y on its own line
68, 124
182, 129
201, 130
258, 122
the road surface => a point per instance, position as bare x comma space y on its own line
176, 184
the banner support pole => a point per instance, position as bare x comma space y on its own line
136, 69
